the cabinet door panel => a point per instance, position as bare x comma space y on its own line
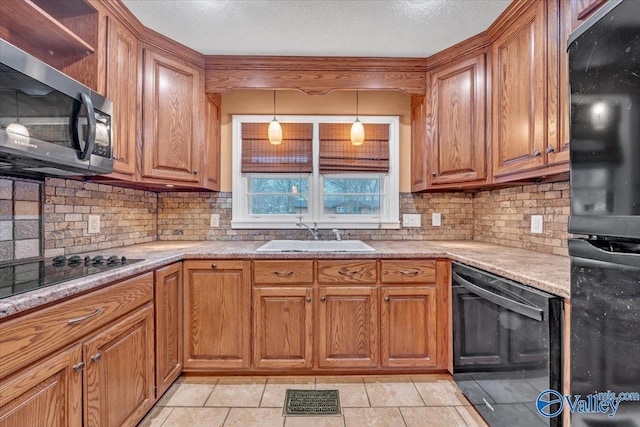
217, 315
171, 119
418, 144
49, 393
348, 327
283, 328
520, 88
456, 122
168, 316
408, 327
119, 380
122, 89
213, 105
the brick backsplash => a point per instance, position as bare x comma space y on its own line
20, 218
127, 216
504, 216
185, 216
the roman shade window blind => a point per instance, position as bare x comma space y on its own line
294, 155
338, 155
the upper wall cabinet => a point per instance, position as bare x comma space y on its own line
418, 144
519, 93
212, 108
173, 92
122, 89
455, 118
61, 33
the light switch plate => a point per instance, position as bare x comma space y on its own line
94, 224
536, 224
411, 220
215, 221
436, 219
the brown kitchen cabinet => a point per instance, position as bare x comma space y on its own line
212, 109
122, 89
283, 327
119, 378
168, 321
217, 311
172, 120
348, 327
519, 83
455, 123
408, 327
419, 181
48, 393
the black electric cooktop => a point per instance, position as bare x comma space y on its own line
17, 278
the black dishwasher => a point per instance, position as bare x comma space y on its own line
507, 347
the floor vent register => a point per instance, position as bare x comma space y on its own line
310, 403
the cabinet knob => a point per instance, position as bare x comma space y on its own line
78, 367
323, 299
550, 149
386, 299
537, 153
434, 174
214, 266
308, 299
195, 171
96, 357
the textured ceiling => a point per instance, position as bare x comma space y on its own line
387, 28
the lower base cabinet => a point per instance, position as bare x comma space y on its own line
408, 327
119, 379
49, 393
283, 327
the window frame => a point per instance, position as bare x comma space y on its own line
389, 217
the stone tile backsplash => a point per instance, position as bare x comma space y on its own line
20, 219
130, 216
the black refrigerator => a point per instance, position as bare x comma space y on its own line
604, 77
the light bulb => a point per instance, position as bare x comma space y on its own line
275, 132
357, 133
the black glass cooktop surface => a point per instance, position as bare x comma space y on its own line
17, 278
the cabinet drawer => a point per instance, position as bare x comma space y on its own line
283, 271
337, 271
32, 336
409, 271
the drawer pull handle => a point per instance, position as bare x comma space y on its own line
78, 367
308, 299
96, 357
386, 299
214, 266
346, 272
286, 273
83, 318
323, 299
409, 272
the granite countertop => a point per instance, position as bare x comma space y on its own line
543, 271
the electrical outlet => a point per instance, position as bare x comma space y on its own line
411, 220
94, 224
436, 219
215, 221
536, 224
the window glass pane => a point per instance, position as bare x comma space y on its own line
278, 196
359, 196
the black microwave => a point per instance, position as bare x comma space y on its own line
50, 124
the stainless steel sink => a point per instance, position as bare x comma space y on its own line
315, 246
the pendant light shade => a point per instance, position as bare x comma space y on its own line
357, 130
16, 128
275, 130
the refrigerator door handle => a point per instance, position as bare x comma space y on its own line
582, 248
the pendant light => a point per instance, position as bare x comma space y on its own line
275, 130
16, 128
357, 130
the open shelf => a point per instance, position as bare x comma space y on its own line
27, 23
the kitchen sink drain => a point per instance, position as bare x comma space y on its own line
307, 403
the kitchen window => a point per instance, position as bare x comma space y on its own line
316, 175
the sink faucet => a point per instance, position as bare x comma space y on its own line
338, 234
313, 230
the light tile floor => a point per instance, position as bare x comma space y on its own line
370, 401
